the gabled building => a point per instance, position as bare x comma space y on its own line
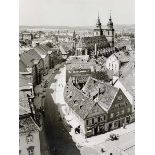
116, 60
26, 36
98, 107
64, 51
34, 64
29, 141
127, 85
79, 71
44, 52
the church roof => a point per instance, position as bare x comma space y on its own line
89, 42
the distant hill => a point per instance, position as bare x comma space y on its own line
129, 28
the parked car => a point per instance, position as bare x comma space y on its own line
114, 136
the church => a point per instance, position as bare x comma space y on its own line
101, 43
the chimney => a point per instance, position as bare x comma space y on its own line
99, 91
95, 49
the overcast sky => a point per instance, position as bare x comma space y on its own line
75, 12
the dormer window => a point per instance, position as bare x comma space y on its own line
29, 138
120, 97
81, 106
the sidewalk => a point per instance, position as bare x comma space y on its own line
78, 138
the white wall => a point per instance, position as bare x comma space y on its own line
113, 64
23, 145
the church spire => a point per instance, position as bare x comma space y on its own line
98, 24
110, 15
110, 23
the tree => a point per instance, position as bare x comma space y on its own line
50, 45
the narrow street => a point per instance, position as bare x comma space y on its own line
60, 142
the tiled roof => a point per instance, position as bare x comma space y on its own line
128, 81
24, 107
106, 92
41, 50
77, 101
74, 66
28, 57
126, 68
22, 66
27, 125
122, 57
24, 81
63, 50
78, 59
89, 42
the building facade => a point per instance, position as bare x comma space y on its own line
98, 107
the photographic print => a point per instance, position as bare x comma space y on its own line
76, 77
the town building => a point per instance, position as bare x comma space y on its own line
98, 107
127, 85
116, 60
26, 36
78, 69
64, 52
29, 141
44, 51
34, 64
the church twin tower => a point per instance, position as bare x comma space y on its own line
108, 31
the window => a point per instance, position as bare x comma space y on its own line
122, 112
99, 119
20, 152
120, 97
104, 117
29, 138
87, 121
92, 120
30, 150
111, 115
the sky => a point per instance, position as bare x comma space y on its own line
75, 12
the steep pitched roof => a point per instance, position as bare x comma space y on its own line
28, 57
42, 49
27, 125
63, 50
122, 57
22, 66
24, 107
76, 100
89, 42
24, 81
106, 92
128, 81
